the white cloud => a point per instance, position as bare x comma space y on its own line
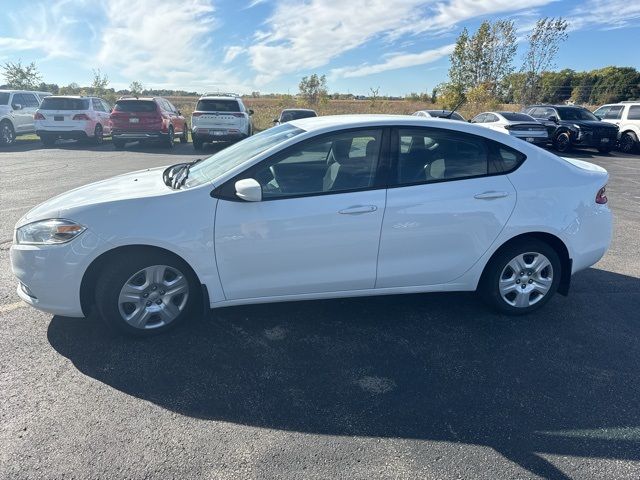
605, 15
231, 53
393, 62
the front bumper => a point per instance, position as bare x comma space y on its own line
50, 275
594, 139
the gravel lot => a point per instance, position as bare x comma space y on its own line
418, 386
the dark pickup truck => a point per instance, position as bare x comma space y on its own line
572, 126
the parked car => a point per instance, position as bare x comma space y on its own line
72, 117
147, 119
516, 124
573, 126
626, 115
439, 114
17, 108
319, 208
289, 114
220, 118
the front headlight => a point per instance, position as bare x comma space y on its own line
48, 232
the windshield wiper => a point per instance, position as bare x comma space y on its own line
178, 174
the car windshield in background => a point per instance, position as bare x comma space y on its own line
57, 103
4, 98
575, 114
135, 106
238, 153
296, 114
218, 106
517, 117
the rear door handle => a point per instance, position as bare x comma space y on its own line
490, 195
358, 210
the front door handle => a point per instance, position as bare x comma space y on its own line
490, 195
358, 210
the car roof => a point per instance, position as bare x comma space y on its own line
219, 97
298, 110
71, 96
8, 90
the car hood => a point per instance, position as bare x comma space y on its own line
130, 186
590, 124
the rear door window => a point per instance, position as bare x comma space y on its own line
210, 105
97, 105
614, 113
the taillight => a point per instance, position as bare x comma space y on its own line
81, 116
601, 197
38, 116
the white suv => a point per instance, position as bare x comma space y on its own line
627, 116
220, 118
72, 117
16, 113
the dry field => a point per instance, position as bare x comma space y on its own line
266, 109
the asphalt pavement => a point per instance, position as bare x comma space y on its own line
416, 386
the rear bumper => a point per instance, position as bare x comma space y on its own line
137, 136
216, 135
64, 134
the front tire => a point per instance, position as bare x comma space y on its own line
628, 142
7, 133
521, 278
146, 294
562, 142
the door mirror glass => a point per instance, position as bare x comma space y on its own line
553, 119
17, 106
275, 120
249, 190
250, 112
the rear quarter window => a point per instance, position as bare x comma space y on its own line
634, 112
503, 159
50, 103
218, 106
4, 98
135, 106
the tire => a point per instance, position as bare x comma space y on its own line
48, 140
501, 285
562, 142
184, 138
605, 150
7, 133
98, 135
119, 144
197, 144
170, 140
628, 142
146, 278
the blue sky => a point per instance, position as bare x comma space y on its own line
400, 46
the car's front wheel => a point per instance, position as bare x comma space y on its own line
7, 133
628, 142
562, 142
146, 293
521, 277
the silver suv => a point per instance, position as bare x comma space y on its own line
220, 117
17, 108
627, 116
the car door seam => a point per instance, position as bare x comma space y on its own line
215, 250
384, 211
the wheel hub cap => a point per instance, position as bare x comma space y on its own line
153, 297
526, 279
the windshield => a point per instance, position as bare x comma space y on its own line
575, 114
57, 103
210, 105
209, 169
517, 117
135, 106
4, 98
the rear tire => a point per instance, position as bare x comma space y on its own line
521, 277
184, 138
628, 142
119, 144
48, 140
7, 133
197, 144
98, 135
170, 141
146, 293
562, 142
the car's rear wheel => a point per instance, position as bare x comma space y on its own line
118, 144
146, 294
7, 133
562, 142
628, 142
197, 144
521, 277
98, 135
184, 138
170, 141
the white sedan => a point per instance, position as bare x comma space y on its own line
516, 124
317, 208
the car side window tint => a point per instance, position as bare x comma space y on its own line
18, 100
106, 106
437, 155
634, 112
490, 118
97, 105
335, 163
614, 113
602, 111
479, 118
504, 159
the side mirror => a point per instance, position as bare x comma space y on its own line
16, 106
553, 119
179, 112
275, 120
249, 190
250, 112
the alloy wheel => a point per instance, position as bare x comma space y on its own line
7, 135
526, 279
153, 297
